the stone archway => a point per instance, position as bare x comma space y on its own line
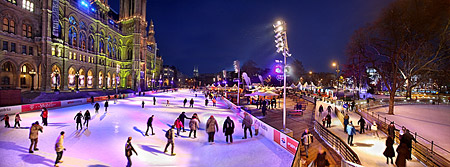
82, 78
8, 75
56, 77
71, 78
90, 79
25, 80
100, 79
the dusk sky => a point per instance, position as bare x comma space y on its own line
211, 34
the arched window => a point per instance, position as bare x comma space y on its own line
91, 43
29, 34
7, 67
119, 57
12, 27
5, 24
82, 41
109, 50
130, 54
24, 30
100, 46
59, 31
72, 37
72, 20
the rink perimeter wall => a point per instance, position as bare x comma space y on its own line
281, 139
56, 104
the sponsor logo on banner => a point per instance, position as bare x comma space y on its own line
75, 102
5, 109
283, 140
38, 106
280, 138
291, 145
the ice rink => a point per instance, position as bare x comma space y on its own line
103, 143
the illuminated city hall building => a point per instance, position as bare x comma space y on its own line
76, 43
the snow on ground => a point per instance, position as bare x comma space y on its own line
429, 121
103, 143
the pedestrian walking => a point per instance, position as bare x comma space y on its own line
34, 132
44, 115
206, 102
391, 130
6, 118
210, 124
353, 105
129, 149
247, 125
154, 100
328, 117
407, 138
143, 104
402, 151
59, 148
106, 105
362, 125
274, 103
389, 151
78, 118
350, 131
87, 117
184, 102
149, 124
170, 140
264, 108
191, 103
17, 120
178, 125
374, 128
321, 160
214, 102
329, 109
346, 118
96, 107
320, 110
182, 117
228, 129
307, 140
193, 125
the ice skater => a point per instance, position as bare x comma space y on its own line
78, 118
307, 139
129, 149
143, 103
34, 132
96, 107
149, 124
59, 148
154, 100
170, 140
206, 102
214, 102
87, 117
17, 120
178, 125
6, 118
182, 117
247, 125
228, 129
184, 102
193, 125
210, 124
167, 104
191, 103
106, 105
44, 115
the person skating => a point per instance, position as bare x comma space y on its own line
59, 148
307, 139
44, 115
170, 140
193, 125
191, 103
149, 124
182, 117
78, 118
92, 99
362, 124
350, 131
17, 120
402, 151
210, 124
247, 125
106, 105
178, 125
184, 102
6, 118
96, 107
389, 152
328, 117
214, 102
206, 102
346, 119
87, 117
34, 132
320, 110
167, 103
129, 149
154, 100
228, 129
143, 103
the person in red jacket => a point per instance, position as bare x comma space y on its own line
44, 116
6, 118
178, 125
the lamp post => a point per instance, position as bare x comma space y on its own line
282, 46
117, 77
334, 64
32, 74
56, 72
237, 69
77, 75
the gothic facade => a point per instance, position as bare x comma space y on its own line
76, 43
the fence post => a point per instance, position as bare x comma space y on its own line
384, 119
432, 143
415, 136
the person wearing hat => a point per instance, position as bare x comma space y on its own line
210, 124
59, 148
34, 132
391, 130
129, 149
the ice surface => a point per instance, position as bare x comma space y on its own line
103, 143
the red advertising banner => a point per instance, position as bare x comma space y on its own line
38, 106
276, 136
291, 145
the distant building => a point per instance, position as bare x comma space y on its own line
169, 75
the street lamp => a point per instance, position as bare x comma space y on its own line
32, 74
56, 72
282, 46
117, 77
334, 64
77, 75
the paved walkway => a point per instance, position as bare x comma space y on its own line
368, 147
298, 124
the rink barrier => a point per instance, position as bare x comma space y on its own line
281, 139
64, 103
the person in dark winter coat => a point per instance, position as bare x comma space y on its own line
389, 152
106, 105
247, 125
170, 139
6, 118
320, 110
182, 117
193, 125
129, 149
328, 120
87, 117
44, 116
321, 159
143, 104
96, 107
184, 102
149, 124
353, 105
206, 102
391, 130
228, 129
92, 99
346, 118
211, 128
402, 151
191, 103
154, 100
329, 109
17, 120
264, 108
78, 118
407, 138
362, 124
34, 132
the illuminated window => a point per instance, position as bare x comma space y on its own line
82, 41
5, 24
24, 30
12, 27
12, 1
29, 32
28, 5
24, 68
72, 36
